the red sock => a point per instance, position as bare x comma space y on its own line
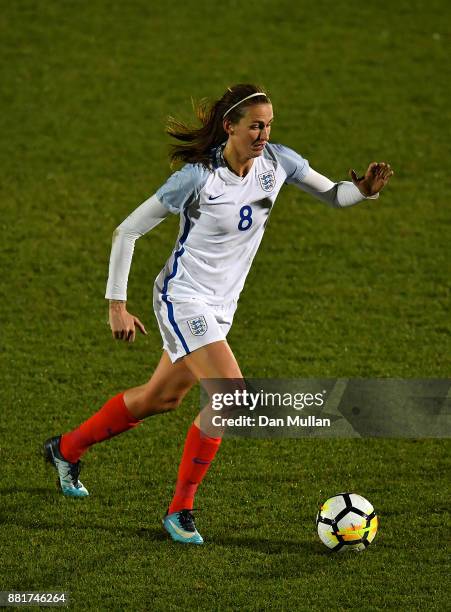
112, 419
198, 453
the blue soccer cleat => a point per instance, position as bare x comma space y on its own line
180, 526
68, 472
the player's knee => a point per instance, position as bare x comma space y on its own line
170, 403
156, 404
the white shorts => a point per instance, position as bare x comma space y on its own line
189, 324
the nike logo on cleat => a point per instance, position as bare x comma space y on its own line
182, 533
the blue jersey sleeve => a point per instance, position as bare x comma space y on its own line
182, 187
295, 166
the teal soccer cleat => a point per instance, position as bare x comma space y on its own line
180, 526
68, 472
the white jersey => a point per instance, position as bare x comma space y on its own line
222, 221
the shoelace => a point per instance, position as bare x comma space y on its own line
74, 472
186, 519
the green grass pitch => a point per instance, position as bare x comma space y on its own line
85, 90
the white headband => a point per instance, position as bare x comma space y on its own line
259, 93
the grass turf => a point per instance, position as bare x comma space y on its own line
85, 91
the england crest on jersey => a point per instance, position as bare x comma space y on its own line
267, 180
198, 325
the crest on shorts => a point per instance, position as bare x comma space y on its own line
198, 325
267, 180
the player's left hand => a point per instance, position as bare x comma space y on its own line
376, 177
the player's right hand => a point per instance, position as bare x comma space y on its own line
123, 324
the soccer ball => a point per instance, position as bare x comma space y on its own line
347, 521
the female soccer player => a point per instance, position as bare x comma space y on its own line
224, 195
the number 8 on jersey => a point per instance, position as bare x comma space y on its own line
245, 218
